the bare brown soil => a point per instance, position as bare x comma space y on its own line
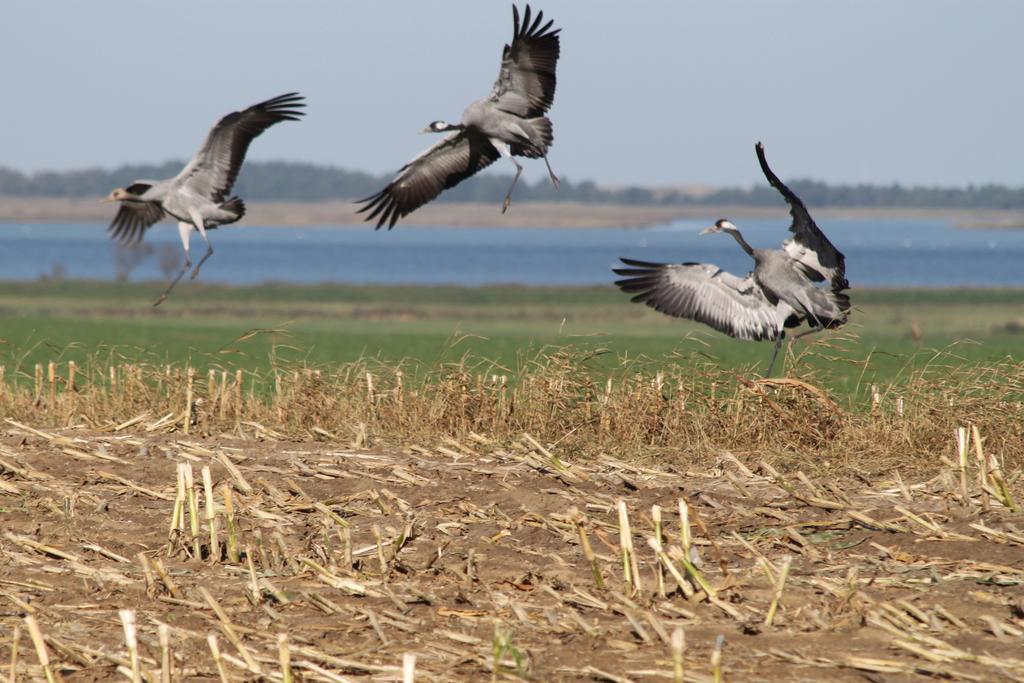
522, 214
470, 558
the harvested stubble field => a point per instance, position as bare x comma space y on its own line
680, 524
244, 557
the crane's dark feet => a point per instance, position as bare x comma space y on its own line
195, 271
554, 179
167, 292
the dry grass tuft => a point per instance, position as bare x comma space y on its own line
684, 414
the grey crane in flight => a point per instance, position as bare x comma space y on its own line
198, 196
509, 122
802, 282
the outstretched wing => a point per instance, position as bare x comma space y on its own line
446, 164
818, 258
132, 221
213, 169
705, 293
526, 82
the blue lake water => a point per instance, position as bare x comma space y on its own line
878, 253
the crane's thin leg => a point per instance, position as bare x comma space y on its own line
775, 353
508, 195
819, 328
198, 220
167, 291
554, 179
506, 151
792, 339
184, 231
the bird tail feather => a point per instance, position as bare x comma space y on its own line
545, 130
236, 206
842, 300
837, 317
541, 138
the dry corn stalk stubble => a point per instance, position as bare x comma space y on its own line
501, 559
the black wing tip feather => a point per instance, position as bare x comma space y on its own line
124, 238
795, 202
643, 286
636, 284
126, 229
641, 264
641, 278
382, 204
121, 234
525, 29
773, 179
640, 286
287, 98
804, 226
119, 229
285, 107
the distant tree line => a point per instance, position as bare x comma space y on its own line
289, 181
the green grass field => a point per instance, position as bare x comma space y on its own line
210, 325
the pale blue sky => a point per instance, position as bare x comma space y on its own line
650, 92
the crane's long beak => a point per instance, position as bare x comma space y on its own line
107, 199
707, 231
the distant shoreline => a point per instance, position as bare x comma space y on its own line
343, 214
